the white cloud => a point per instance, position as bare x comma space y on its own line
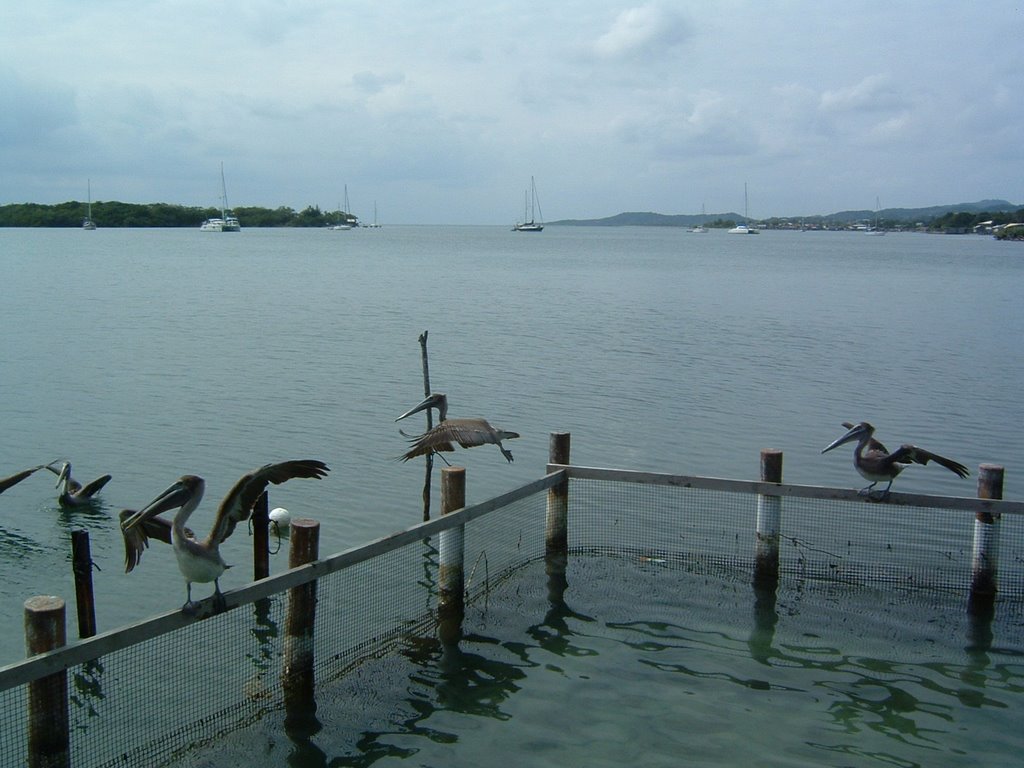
642, 31
873, 93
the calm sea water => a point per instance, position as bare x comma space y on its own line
149, 354
646, 664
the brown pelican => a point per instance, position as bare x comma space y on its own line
468, 433
200, 561
16, 478
72, 492
875, 463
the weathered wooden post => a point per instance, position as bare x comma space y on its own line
429, 458
985, 552
261, 538
556, 526
49, 739
81, 566
769, 521
297, 676
451, 582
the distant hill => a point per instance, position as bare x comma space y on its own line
907, 215
646, 219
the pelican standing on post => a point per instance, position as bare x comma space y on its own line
72, 492
468, 433
875, 463
200, 561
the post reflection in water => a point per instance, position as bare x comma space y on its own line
765, 619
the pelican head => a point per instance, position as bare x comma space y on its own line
856, 432
435, 400
186, 492
64, 474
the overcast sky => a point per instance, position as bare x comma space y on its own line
441, 111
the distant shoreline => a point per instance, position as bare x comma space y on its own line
961, 217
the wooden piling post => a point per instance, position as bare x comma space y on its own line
769, 521
261, 538
49, 739
556, 526
297, 676
81, 566
451, 587
428, 462
985, 550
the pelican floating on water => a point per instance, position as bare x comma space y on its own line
875, 463
16, 478
200, 561
72, 492
468, 433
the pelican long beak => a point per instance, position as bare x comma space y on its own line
853, 434
65, 470
431, 402
176, 495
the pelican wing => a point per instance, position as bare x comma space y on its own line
238, 504
468, 433
136, 538
911, 454
426, 443
91, 489
14, 479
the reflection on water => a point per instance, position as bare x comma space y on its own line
701, 664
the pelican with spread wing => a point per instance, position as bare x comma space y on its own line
875, 463
72, 492
199, 560
468, 433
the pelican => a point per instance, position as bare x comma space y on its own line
468, 433
72, 492
875, 463
16, 478
200, 561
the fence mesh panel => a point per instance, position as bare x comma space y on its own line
148, 703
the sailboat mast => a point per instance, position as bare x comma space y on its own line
223, 194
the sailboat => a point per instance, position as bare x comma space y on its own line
226, 222
375, 225
700, 229
744, 228
530, 203
87, 222
873, 229
345, 222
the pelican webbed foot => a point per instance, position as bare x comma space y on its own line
872, 495
506, 453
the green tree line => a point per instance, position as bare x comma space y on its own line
964, 221
116, 214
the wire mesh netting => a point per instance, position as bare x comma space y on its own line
150, 702
819, 537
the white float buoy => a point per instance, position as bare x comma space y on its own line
280, 519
